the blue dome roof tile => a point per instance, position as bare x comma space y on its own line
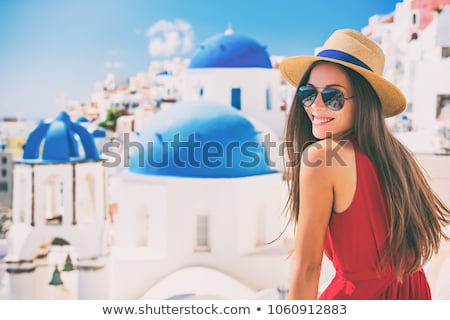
230, 51
58, 142
199, 139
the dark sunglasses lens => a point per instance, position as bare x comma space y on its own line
333, 98
307, 95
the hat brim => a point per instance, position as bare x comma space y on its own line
393, 102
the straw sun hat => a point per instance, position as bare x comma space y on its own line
352, 49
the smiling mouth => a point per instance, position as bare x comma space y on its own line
316, 120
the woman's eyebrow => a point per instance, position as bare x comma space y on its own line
328, 85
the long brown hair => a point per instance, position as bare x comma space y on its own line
416, 214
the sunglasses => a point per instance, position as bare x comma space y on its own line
333, 98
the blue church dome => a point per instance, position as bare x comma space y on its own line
56, 141
200, 139
230, 50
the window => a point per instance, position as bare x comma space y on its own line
202, 233
4, 173
3, 186
4, 160
445, 52
409, 107
236, 98
88, 203
54, 200
20, 205
268, 99
443, 107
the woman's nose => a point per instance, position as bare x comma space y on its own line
318, 104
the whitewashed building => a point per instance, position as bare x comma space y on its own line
416, 41
236, 70
200, 192
58, 241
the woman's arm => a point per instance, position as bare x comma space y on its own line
316, 203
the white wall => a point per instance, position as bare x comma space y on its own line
140, 225
217, 84
22, 188
443, 27
253, 82
235, 242
431, 79
64, 172
90, 189
89, 237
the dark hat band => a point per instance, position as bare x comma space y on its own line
343, 56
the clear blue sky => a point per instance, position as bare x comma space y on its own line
50, 48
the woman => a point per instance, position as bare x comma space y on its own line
355, 191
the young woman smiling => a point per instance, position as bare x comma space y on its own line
357, 193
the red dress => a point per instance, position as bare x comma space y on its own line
355, 242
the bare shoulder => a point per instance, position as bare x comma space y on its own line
327, 153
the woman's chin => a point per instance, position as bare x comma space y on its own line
320, 134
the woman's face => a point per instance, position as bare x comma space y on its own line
327, 122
